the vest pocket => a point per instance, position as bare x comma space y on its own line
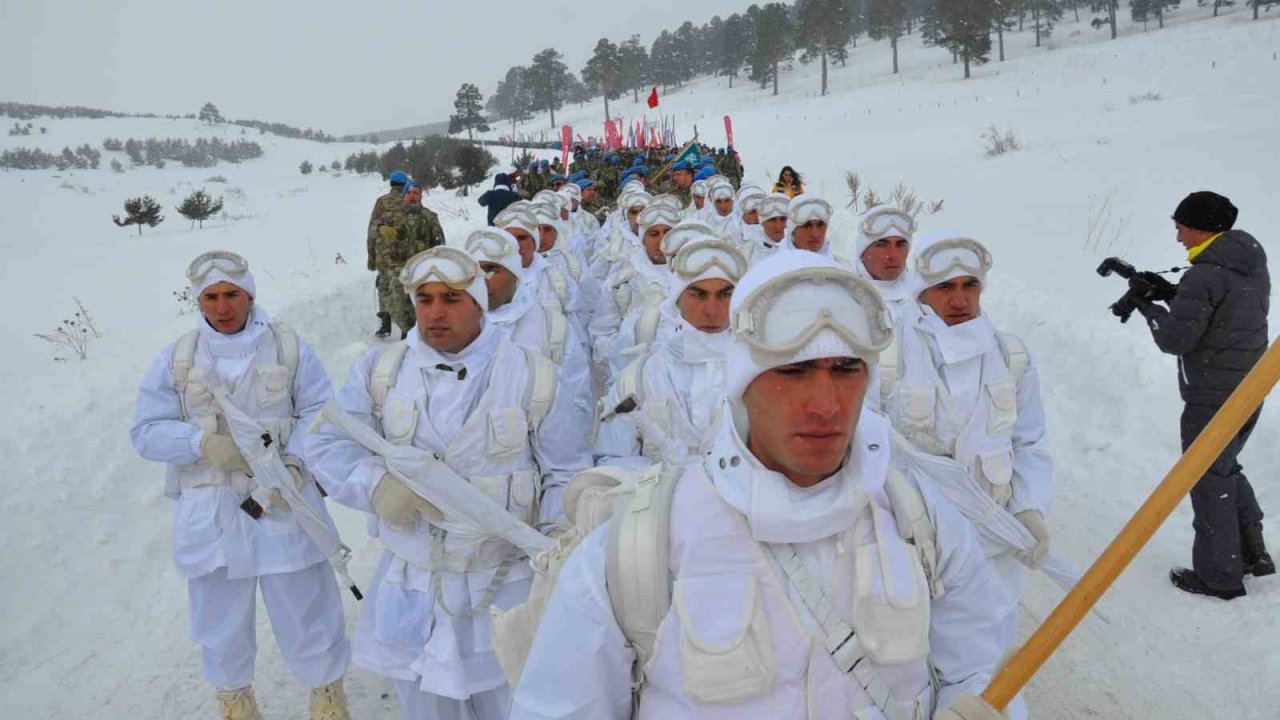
399, 421
1002, 411
272, 385
726, 653
892, 625
522, 495
918, 407
508, 432
995, 470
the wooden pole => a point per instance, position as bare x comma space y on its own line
1159, 505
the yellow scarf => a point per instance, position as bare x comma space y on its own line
1194, 252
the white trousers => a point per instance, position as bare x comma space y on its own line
415, 704
305, 608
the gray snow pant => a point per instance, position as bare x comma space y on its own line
1223, 502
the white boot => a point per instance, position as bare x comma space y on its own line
329, 702
238, 705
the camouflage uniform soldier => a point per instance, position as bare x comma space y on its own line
402, 234
389, 202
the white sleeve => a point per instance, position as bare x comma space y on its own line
311, 390
1032, 465
345, 469
560, 447
158, 432
579, 667
966, 622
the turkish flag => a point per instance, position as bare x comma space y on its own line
653, 97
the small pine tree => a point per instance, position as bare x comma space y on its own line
199, 206
335, 166
209, 113
140, 211
305, 168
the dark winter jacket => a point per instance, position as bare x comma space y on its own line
497, 200
1217, 322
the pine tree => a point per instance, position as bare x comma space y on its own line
306, 167
209, 114
548, 79
735, 45
823, 28
886, 20
1143, 10
1105, 6
513, 99
603, 72
635, 62
1044, 15
199, 206
965, 27
140, 211
468, 107
473, 164
773, 42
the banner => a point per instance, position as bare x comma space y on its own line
728, 130
653, 97
566, 140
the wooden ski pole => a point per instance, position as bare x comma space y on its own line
1159, 505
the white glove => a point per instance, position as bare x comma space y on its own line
398, 506
222, 453
1034, 522
300, 477
968, 707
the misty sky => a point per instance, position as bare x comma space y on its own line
338, 66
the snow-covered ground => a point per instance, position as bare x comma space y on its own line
94, 620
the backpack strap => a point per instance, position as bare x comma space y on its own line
558, 283
1015, 355
557, 332
914, 524
888, 366
638, 572
287, 352
383, 377
184, 358
541, 391
647, 324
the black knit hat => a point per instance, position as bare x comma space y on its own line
1206, 211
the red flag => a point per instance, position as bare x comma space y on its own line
653, 97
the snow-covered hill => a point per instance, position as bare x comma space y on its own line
94, 619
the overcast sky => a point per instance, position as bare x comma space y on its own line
338, 66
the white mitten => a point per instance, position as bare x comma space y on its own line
222, 453
398, 506
968, 707
300, 478
1034, 522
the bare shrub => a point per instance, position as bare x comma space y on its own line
998, 143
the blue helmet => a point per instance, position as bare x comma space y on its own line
398, 177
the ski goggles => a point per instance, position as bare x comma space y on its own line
686, 232
550, 197
521, 217
721, 192
699, 188
443, 264
639, 199
492, 244
887, 221
571, 191
700, 257
774, 206
658, 215
750, 203
782, 316
671, 202
747, 191
952, 258
546, 213
804, 210
223, 260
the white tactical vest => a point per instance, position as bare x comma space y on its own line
492, 449
916, 400
663, 413
265, 393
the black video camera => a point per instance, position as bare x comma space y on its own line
1144, 286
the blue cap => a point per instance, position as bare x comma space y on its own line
407, 187
639, 169
638, 161
398, 177
585, 183
545, 163
577, 176
533, 167
559, 178
704, 173
683, 165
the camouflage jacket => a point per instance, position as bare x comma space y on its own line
389, 202
415, 231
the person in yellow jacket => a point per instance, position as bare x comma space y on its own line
789, 182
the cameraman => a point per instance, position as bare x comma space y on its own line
1216, 324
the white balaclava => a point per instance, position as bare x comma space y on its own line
803, 209
496, 245
452, 263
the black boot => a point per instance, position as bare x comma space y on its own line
385, 330
1186, 580
1257, 562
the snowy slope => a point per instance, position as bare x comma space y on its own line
95, 619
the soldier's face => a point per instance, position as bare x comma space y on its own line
652, 240
699, 201
413, 197
448, 318
500, 282
810, 236
546, 237
527, 245
682, 178
775, 228
956, 301
801, 417
705, 304
632, 214
751, 217
226, 307
589, 194
886, 258
724, 206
